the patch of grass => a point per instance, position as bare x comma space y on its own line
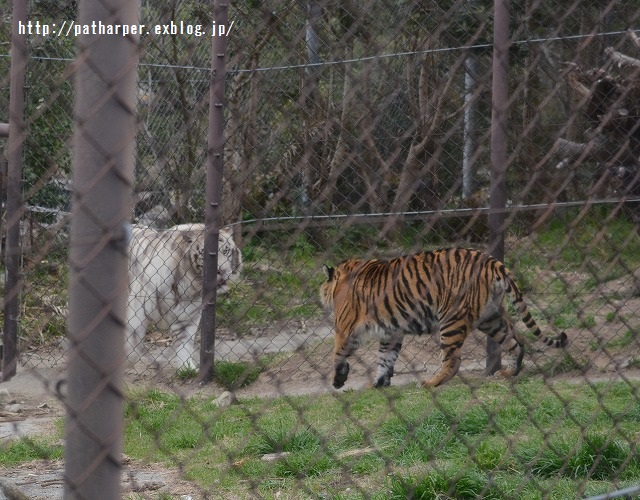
578, 243
444, 482
281, 437
619, 342
634, 362
566, 364
595, 456
186, 373
305, 464
233, 375
473, 421
271, 290
599, 457
461, 449
161, 496
28, 449
564, 315
625, 340
490, 454
588, 321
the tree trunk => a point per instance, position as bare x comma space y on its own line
340, 158
471, 125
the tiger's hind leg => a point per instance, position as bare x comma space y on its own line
497, 325
451, 339
388, 353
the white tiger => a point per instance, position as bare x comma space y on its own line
165, 284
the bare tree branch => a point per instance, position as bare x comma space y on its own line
621, 59
634, 38
581, 89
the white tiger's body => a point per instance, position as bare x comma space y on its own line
165, 284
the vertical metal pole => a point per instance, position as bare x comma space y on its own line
13, 282
212, 216
3, 207
104, 134
498, 187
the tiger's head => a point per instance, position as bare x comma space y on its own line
337, 281
328, 287
191, 263
229, 255
229, 259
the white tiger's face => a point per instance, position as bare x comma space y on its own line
196, 255
229, 256
229, 260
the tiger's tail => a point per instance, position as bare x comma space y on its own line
523, 311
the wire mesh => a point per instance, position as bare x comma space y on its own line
357, 130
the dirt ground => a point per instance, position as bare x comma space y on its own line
30, 405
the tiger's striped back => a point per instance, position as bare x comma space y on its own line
448, 291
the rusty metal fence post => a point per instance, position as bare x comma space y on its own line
213, 191
14, 194
498, 187
102, 181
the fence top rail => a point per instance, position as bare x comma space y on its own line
326, 220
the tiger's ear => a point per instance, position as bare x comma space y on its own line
329, 272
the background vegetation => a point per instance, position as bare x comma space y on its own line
376, 126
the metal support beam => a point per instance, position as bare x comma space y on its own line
15, 208
499, 122
104, 134
213, 211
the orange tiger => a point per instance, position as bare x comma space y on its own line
448, 291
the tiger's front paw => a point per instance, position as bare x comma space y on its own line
505, 373
384, 381
341, 375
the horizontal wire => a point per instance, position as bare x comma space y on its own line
462, 212
429, 51
358, 59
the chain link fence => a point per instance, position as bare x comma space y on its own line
351, 130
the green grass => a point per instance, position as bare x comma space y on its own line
186, 373
634, 362
498, 440
595, 241
571, 257
617, 343
28, 449
275, 287
232, 375
566, 364
625, 340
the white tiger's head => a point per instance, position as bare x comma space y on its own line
229, 259
229, 255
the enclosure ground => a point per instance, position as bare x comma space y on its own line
301, 365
